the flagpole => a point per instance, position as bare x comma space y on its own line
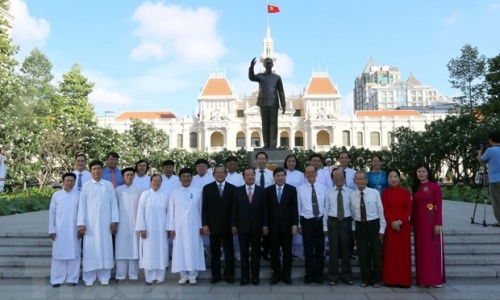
267, 15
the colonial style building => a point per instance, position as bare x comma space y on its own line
312, 119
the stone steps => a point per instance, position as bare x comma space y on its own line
469, 253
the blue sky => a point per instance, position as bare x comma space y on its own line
156, 55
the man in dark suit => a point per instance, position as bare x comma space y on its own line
216, 218
283, 221
249, 222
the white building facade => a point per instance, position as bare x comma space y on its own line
312, 119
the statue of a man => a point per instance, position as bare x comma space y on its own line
271, 96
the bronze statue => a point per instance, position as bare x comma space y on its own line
271, 95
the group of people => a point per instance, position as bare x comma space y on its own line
130, 220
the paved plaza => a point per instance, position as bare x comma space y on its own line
456, 219
41, 289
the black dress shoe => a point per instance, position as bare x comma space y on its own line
275, 279
308, 280
243, 281
319, 281
287, 280
74, 284
56, 285
255, 281
230, 280
214, 280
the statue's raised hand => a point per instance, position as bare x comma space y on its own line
253, 62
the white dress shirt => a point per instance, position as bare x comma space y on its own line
331, 204
324, 178
86, 176
349, 178
304, 193
373, 204
268, 177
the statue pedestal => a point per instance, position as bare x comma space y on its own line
275, 157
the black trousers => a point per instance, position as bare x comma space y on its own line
281, 239
369, 250
339, 240
314, 246
246, 241
227, 245
269, 116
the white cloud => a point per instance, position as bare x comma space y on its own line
147, 50
184, 34
104, 98
454, 18
284, 65
28, 31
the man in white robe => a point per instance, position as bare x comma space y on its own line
82, 175
186, 229
203, 177
3, 168
127, 238
151, 224
97, 220
169, 181
141, 177
65, 265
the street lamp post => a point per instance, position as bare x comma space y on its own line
106, 112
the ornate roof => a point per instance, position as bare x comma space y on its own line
320, 84
145, 115
216, 85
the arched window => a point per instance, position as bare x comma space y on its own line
322, 138
193, 140
179, 141
360, 139
217, 139
346, 138
374, 138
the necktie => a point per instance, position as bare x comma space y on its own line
220, 189
250, 195
279, 195
113, 177
79, 183
314, 202
363, 208
340, 206
262, 179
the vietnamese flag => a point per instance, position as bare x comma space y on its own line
272, 9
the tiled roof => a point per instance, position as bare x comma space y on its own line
387, 113
321, 85
145, 115
216, 87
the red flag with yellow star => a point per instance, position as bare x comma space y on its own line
272, 9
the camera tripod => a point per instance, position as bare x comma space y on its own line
483, 190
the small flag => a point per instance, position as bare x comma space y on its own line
272, 9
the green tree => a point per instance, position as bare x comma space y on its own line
467, 74
492, 79
149, 141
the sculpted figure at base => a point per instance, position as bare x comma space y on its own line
271, 96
